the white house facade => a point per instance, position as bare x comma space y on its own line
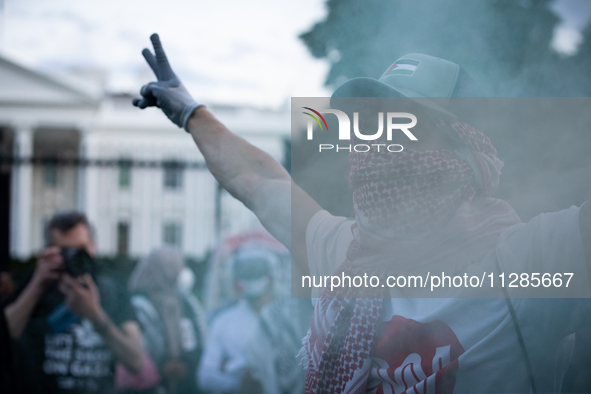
141, 180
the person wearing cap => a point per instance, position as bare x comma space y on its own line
223, 363
434, 198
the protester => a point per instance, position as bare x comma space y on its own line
7, 371
223, 363
358, 345
219, 291
172, 320
6, 365
6, 284
72, 324
270, 351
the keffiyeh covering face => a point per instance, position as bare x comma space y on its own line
429, 206
410, 195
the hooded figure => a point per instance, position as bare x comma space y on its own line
170, 314
156, 276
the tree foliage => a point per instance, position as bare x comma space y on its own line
504, 44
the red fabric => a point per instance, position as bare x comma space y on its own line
415, 357
147, 378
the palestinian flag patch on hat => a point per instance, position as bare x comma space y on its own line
403, 67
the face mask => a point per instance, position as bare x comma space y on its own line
185, 281
254, 288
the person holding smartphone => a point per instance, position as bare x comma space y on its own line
70, 323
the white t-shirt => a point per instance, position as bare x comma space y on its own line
472, 342
222, 363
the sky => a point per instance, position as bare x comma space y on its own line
238, 52
575, 15
225, 51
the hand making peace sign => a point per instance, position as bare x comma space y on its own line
168, 93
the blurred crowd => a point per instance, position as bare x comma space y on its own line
70, 327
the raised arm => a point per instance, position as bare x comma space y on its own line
252, 176
246, 172
19, 311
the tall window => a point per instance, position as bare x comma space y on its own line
122, 238
124, 174
171, 234
173, 175
50, 173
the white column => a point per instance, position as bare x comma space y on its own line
21, 193
88, 178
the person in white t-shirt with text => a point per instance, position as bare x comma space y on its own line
437, 191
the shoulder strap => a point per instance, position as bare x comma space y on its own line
526, 358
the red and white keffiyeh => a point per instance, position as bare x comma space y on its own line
423, 207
